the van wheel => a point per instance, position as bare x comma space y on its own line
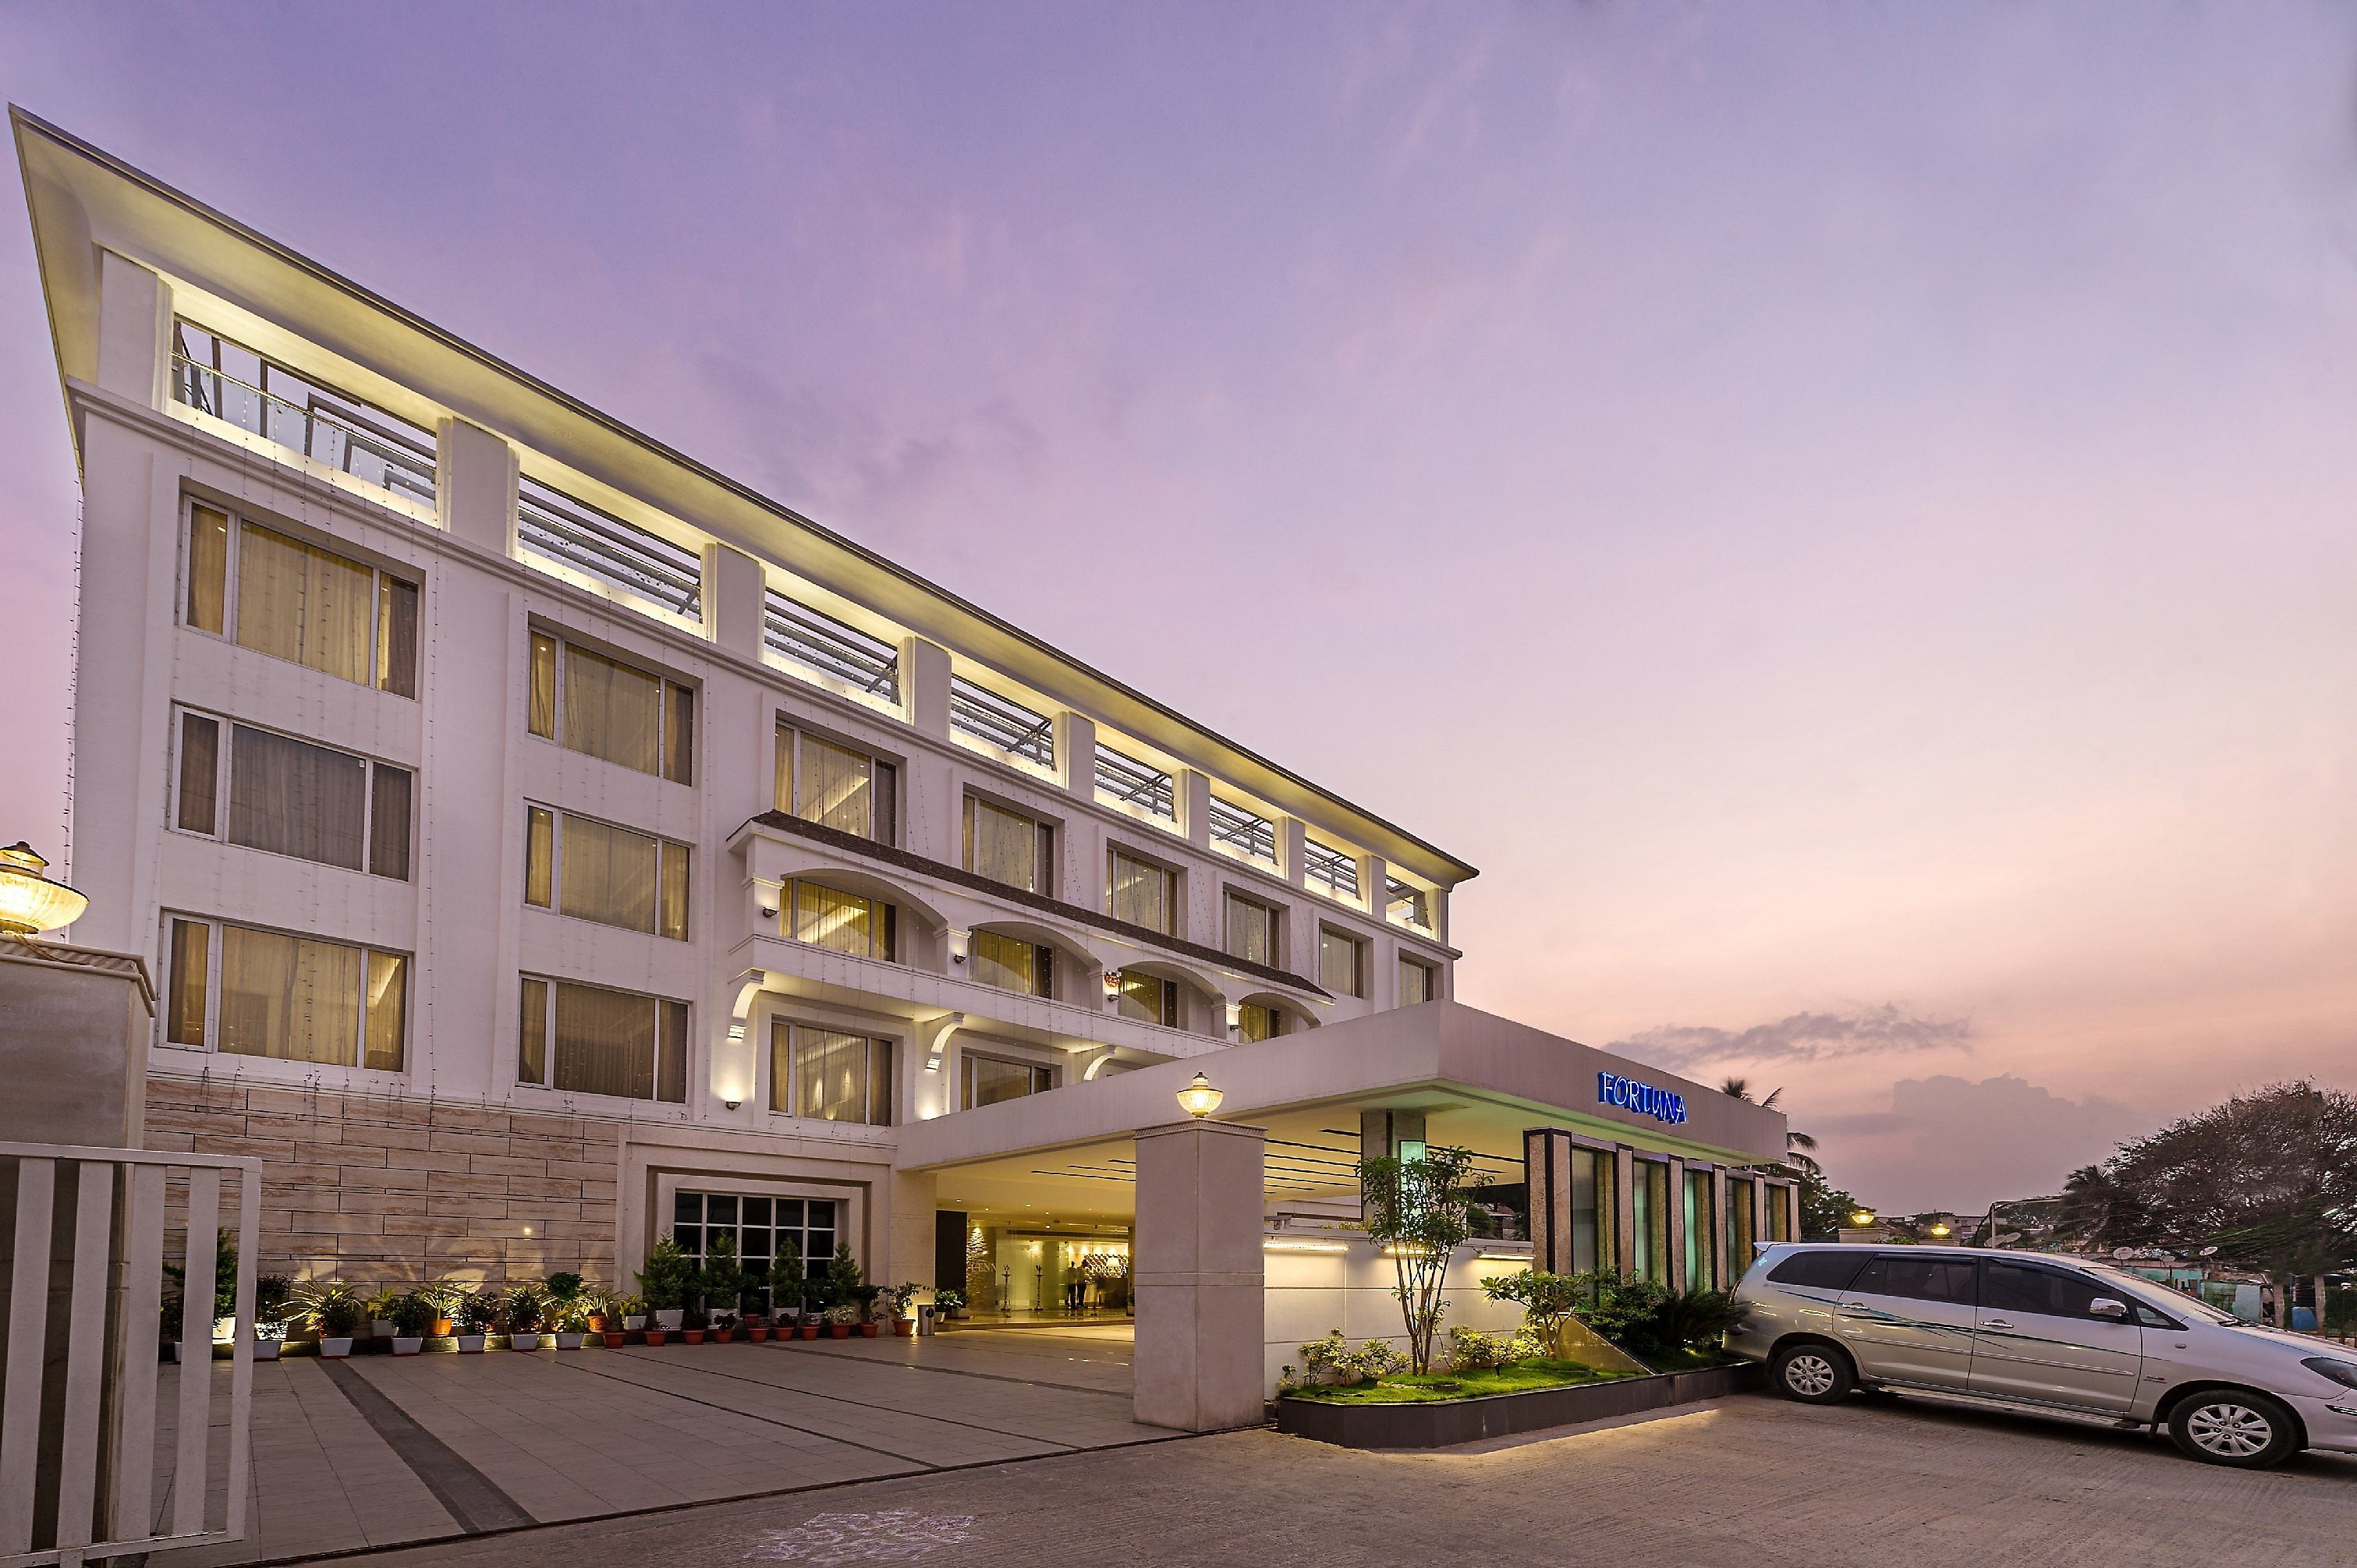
1814, 1374
2234, 1426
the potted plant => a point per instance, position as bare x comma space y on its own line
724, 1327
691, 1325
840, 1317
525, 1307
665, 1281
721, 1280
443, 1296
597, 1308
413, 1314
224, 1298
332, 1310
950, 1303
622, 1312
272, 1294
380, 1313
900, 1295
473, 1316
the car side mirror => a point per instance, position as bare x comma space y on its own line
2105, 1307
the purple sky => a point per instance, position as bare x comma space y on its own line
1843, 513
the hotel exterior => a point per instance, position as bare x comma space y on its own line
541, 844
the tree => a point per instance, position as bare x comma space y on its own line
1799, 1148
2269, 1179
1416, 1210
1824, 1208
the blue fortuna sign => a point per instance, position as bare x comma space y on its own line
1662, 1105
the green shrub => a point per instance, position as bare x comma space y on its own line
723, 1277
1649, 1319
413, 1315
1470, 1350
668, 1278
1331, 1360
330, 1306
2341, 1310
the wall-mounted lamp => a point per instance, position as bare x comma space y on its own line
1112, 983
769, 912
1235, 1014
1198, 1099
732, 1104
960, 943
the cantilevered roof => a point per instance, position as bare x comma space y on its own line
84, 200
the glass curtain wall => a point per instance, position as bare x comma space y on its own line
1700, 1275
1650, 1220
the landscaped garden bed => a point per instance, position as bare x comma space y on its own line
1372, 1421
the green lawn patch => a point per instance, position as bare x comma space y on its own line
1689, 1360
1438, 1388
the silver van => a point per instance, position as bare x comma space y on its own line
2058, 1334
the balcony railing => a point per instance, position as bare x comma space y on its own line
322, 428
819, 642
1001, 723
555, 527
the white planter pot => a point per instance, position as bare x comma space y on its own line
639, 1322
526, 1341
225, 1330
470, 1343
381, 1329
176, 1351
265, 1349
335, 1350
566, 1341
669, 1319
402, 1346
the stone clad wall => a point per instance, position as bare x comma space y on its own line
380, 1191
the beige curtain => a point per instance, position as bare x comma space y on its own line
1002, 845
611, 710
389, 792
1145, 998
1140, 892
781, 1065
831, 918
208, 567
1252, 930
388, 1008
608, 874
396, 636
539, 856
671, 1060
1338, 963
671, 917
604, 1042
186, 1007
542, 716
1414, 984
294, 998
302, 603
199, 773
1005, 961
679, 734
531, 1034
830, 1075
837, 789
292, 798
782, 797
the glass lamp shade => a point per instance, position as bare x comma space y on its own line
1198, 1099
30, 903
1861, 1219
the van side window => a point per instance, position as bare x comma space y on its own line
1917, 1279
1820, 1270
2045, 1293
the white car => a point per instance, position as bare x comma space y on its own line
2058, 1334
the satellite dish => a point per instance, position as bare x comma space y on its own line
2208, 1252
2123, 1252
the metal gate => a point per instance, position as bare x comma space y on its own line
90, 1490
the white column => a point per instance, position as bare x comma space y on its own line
135, 330
475, 485
734, 600
925, 686
1202, 1311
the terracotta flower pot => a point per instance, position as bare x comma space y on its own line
810, 1330
903, 1328
723, 1336
613, 1338
867, 1329
758, 1333
597, 1323
840, 1330
654, 1335
693, 1336
441, 1328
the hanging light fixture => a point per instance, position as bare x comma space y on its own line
1198, 1099
30, 903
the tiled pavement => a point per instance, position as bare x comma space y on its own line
375, 1450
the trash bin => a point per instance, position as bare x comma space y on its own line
925, 1318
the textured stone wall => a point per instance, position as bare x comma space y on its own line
380, 1191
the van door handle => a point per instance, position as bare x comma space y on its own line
1853, 1307
1994, 1323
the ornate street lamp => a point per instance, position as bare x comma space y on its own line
1198, 1099
30, 903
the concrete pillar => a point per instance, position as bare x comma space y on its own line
1194, 792
1290, 836
1791, 1196
1381, 1132
1624, 1210
1373, 869
925, 686
1201, 1315
912, 1229
135, 330
475, 486
1674, 1227
736, 600
1076, 753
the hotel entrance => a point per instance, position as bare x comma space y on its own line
1017, 1273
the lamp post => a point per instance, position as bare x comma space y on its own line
30, 904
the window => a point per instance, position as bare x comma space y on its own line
1415, 983
1332, 872
555, 527
251, 993
294, 601
1149, 998
989, 1079
1141, 892
589, 1039
1342, 962
1011, 964
1008, 846
829, 1075
847, 922
1256, 1021
825, 646
1245, 832
289, 796
1701, 1261
602, 707
1251, 929
1001, 723
1127, 781
1915, 1279
780, 1240
232, 382
1648, 1221
2046, 1293
837, 787
1817, 1271
595, 871
1406, 904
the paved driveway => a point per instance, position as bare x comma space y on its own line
377, 1450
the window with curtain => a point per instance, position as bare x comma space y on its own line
605, 708
1342, 962
830, 1075
1251, 929
1257, 1021
596, 870
309, 605
1149, 998
847, 922
1008, 846
1010, 963
290, 797
247, 992
592, 1039
989, 1079
1142, 892
1415, 983
836, 786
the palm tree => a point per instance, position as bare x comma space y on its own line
1800, 1149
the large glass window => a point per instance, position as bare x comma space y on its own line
289, 796
294, 601
830, 1075
252, 993
1741, 1227
1342, 962
1008, 846
1650, 1221
602, 707
592, 1039
989, 1079
1149, 998
780, 1241
847, 922
1415, 983
596, 870
1700, 1254
835, 786
1257, 1021
1141, 892
1011, 964
1250, 929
